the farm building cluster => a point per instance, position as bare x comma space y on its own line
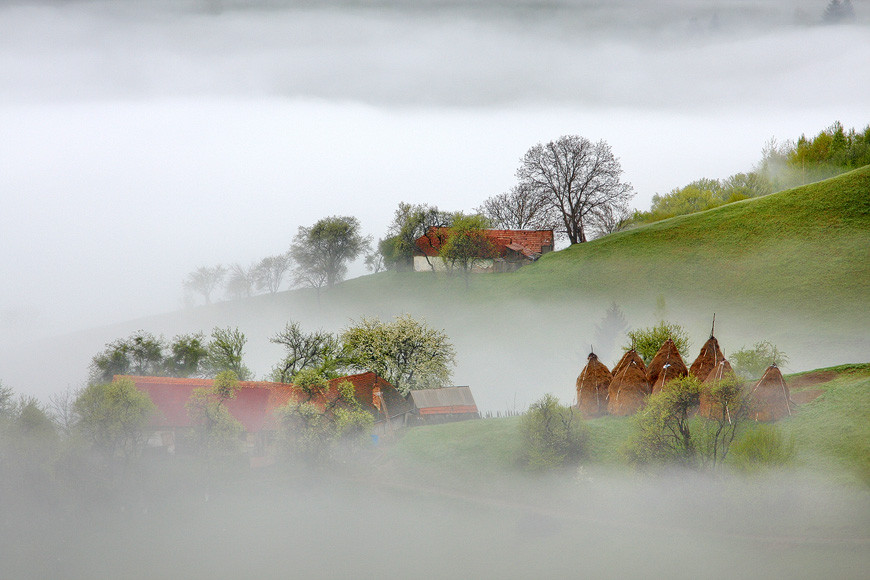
256, 404
508, 250
622, 391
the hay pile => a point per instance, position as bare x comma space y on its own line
665, 366
770, 398
592, 387
708, 359
708, 408
629, 387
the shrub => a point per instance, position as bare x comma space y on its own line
666, 432
647, 341
763, 446
553, 436
325, 427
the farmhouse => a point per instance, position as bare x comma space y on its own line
255, 404
513, 249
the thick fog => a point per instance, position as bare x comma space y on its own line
595, 524
142, 140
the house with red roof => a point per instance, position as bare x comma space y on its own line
512, 249
256, 404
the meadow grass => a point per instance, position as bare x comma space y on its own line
831, 433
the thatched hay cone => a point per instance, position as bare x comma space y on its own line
722, 372
708, 359
670, 356
592, 385
629, 387
770, 399
629, 356
669, 373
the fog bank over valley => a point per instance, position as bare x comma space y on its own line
143, 140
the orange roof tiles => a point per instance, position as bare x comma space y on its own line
527, 242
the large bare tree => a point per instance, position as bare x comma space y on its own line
577, 178
522, 208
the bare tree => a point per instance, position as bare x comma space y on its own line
522, 208
271, 271
242, 281
204, 280
577, 178
60, 408
608, 219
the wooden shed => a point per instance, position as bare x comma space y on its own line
444, 405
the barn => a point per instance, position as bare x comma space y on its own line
444, 405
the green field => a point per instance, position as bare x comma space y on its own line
804, 249
831, 434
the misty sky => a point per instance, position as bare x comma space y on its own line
141, 140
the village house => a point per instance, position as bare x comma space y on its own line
513, 249
254, 407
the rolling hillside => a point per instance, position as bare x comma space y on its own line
792, 267
805, 249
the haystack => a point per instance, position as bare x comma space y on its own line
629, 356
708, 359
592, 385
721, 372
668, 361
629, 386
770, 398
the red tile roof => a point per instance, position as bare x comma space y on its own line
255, 402
527, 242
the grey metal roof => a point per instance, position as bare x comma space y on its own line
443, 397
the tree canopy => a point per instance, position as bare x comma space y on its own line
467, 243
407, 353
112, 416
323, 250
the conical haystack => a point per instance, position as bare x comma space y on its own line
770, 398
709, 358
669, 373
629, 386
592, 385
670, 356
721, 372
629, 356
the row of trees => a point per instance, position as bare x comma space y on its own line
406, 352
570, 185
783, 165
186, 355
317, 258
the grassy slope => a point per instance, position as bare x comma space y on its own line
832, 436
803, 249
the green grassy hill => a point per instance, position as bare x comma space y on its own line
831, 434
807, 247
804, 249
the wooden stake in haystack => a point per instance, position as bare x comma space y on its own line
709, 357
770, 398
629, 386
665, 366
592, 387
